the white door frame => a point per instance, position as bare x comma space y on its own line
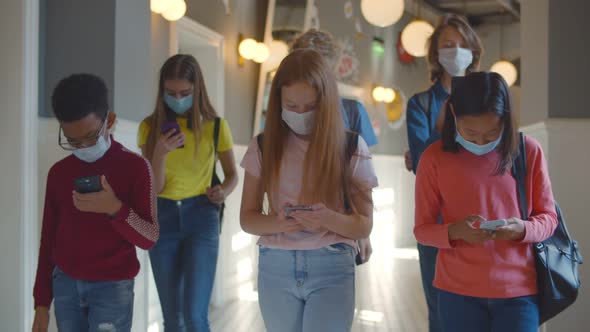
200, 32
28, 159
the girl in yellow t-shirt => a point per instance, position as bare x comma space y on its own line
178, 140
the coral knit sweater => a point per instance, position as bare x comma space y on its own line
456, 185
93, 246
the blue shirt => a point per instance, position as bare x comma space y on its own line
357, 119
421, 124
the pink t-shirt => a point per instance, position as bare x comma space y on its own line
290, 186
456, 185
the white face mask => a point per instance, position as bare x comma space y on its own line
300, 123
95, 152
455, 60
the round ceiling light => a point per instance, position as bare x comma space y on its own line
415, 37
382, 13
507, 70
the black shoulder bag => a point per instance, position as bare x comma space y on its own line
556, 258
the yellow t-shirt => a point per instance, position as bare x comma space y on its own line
188, 174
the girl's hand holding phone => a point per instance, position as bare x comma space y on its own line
169, 141
312, 220
464, 230
513, 231
289, 224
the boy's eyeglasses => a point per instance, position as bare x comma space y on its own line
71, 145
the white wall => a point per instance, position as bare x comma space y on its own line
10, 187
534, 61
568, 158
18, 64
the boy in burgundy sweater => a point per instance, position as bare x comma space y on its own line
87, 260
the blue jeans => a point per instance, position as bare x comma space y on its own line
184, 261
466, 314
307, 290
427, 269
93, 306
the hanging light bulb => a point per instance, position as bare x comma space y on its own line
160, 6
261, 54
176, 12
247, 48
278, 50
388, 96
415, 37
382, 13
507, 70
378, 93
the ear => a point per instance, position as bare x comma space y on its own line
111, 119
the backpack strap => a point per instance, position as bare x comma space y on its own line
352, 114
352, 140
260, 141
424, 100
214, 178
519, 172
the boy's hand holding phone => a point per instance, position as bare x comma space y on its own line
103, 201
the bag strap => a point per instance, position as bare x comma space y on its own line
425, 99
519, 172
352, 140
215, 145
352, 114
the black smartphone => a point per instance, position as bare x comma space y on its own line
358, 259
88, 184
289, 209
169, 125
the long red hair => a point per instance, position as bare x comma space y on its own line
325, 164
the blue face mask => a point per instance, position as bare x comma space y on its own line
93, 153
477, 149
178, 105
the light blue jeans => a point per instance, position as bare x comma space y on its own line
307, 290
95, 306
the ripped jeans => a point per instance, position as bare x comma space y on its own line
92, 306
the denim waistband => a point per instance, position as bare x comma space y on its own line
199, 200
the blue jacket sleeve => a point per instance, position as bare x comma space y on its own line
419, 137
364, 126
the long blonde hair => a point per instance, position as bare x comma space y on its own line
325, 164
182, 67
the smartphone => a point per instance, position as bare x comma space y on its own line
358, 259
289, 209
492, 225
169, 125
87, 184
